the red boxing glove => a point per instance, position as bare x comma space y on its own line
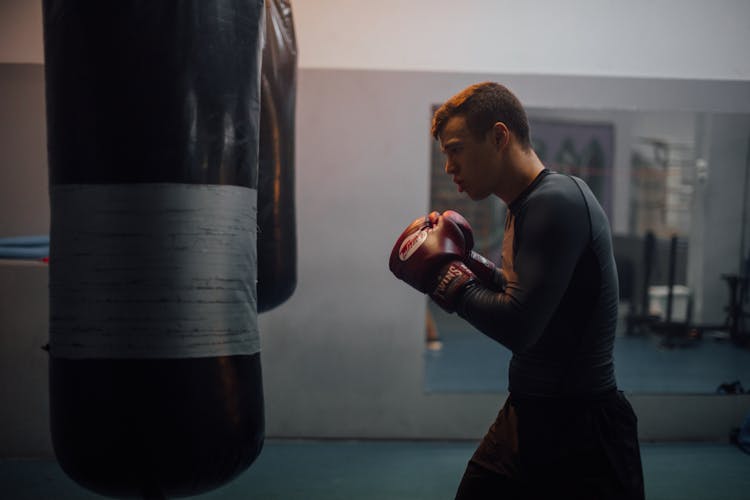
487, 272
430, 257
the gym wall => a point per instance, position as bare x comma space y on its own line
343, 358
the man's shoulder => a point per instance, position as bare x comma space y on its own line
556, 190
554, 211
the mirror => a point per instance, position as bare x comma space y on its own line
674, 185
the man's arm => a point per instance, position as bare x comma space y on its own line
554, 231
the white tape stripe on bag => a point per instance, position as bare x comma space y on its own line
153, 271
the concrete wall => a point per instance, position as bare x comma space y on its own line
24, 208
24, 404
720, 199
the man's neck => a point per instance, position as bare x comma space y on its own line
525, 167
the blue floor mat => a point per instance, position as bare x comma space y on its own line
469, 362
402, 470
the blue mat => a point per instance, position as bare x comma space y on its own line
402, 470
24, 247
470, 362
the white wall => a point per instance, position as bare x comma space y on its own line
642, 38
21, 32
722, 196
24, 402
349, 344
637, 38
24, 208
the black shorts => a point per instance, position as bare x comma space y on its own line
558, 448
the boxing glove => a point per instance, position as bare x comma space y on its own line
485, 270
429, 257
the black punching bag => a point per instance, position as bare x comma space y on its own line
153, 126
277, 243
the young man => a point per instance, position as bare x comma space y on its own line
565, 430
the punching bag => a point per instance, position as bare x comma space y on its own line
153, 126
277, 251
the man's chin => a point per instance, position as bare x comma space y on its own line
476, 196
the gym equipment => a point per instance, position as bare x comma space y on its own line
277, 252
638, 318
429, 257
152, 122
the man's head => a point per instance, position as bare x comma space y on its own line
484, 134
483, 105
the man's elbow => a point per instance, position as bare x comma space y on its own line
516, 340
524, 339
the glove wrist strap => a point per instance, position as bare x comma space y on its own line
486, 271
451, 282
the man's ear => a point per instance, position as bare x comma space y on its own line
500, 135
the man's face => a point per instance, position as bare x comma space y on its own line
468, 160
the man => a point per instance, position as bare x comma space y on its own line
565, 430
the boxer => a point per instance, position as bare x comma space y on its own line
565, 430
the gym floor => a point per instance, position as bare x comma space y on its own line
467, 361
396, 470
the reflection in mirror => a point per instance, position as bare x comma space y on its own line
675, 186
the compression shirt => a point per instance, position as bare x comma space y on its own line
558, 310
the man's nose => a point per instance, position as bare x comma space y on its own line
449, 167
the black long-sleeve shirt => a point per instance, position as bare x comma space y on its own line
558, 311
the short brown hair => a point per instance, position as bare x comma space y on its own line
484, 104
